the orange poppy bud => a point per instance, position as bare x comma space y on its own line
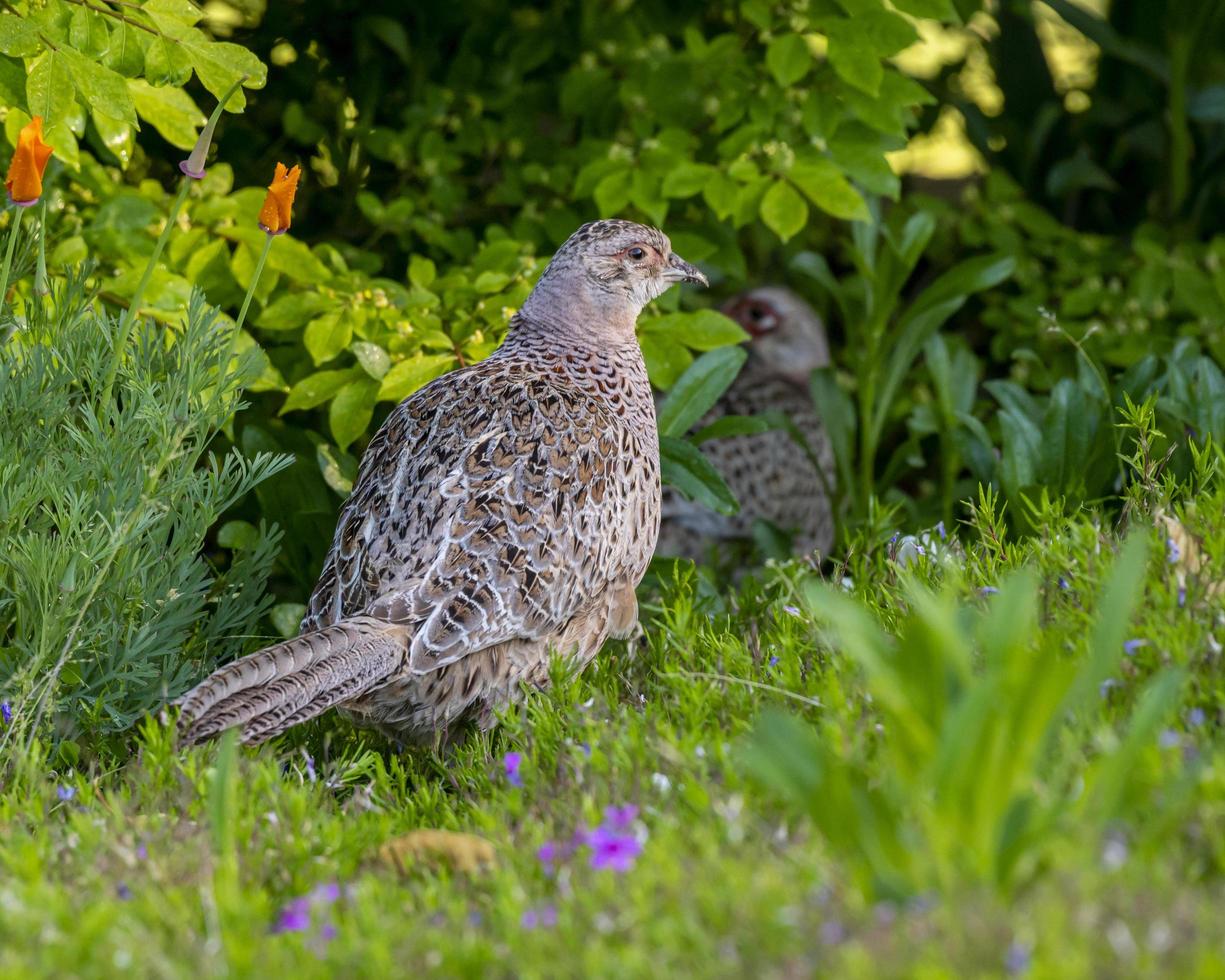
25, 177
278, 205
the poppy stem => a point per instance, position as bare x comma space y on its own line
125, 322
41, 285
246, 303
8, 258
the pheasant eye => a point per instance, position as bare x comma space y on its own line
637, 253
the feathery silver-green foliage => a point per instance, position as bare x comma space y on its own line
107, 605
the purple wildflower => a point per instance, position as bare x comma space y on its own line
326, 893
294, 917
142, 852
123, 892
1195, 717
792, 611
1169, 739
774, 661
613, 852
65, 793
544, 918
1182, 596
1063, 583
1105, 687
310, 768
988, 590
327, 932
511, 763
1172, 551
940, 529
1017, 958
617, 818
6, 712
1131, 646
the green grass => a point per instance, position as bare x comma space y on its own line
179, 863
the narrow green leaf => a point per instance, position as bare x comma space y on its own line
683, 466
697, 390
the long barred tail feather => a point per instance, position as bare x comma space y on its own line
288, 683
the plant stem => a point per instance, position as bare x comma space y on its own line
125, 322
8, 258
246, 302
41, 287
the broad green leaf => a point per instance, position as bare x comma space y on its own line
686, 179
117, 136
286, 617
413, 373
490, 282
18, 37
421, 271
788, 58
697, 390
50, 90
294, 309
338, 468
932, 9
317, 388
1021, 452
107, 90
837, 412
372, 358
702, 330
238, 535
351, 410
666, 359
612, 193
783, 210
823, 183
683, 466
125, 52
88, 32
170, 111
328, 335
859, 152
167, 64
854, 59
886, 32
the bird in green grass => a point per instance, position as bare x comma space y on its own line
505, 511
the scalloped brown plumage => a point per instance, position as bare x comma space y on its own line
504, 511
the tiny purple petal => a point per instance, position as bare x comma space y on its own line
1182, 596
548, 852
774, 661
1169, 739
310, 769
327, 932
618, 818
1017, 958
511, 763
326, 893
1195, 717
1131, 646
940, 529
988, 590
1172, 551
142, 852
613, 852
1105, 687
123, 892
791, 610
294, 917
529, 920
185, 166
65, 793
1063, 583
6, 712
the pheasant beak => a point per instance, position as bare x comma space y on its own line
678, 270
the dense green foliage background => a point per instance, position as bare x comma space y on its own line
930, 738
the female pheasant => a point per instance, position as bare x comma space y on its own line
503, 512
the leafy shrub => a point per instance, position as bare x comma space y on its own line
107, 605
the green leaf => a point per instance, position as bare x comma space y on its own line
697, 390
286, 617
238, 535
730, 426
413, 373
701, 330
683, 466
666, 360
421, 271
612, 193
50, 90
317, 388
170, 111
166, 63
372, 358
837, 411
125, 52
971, 276
294, 309
490, 282
18, 37
351, 410
823, 183
854, 59
686, 179
783, 210
108, 90
933, 9
788, 58
328, 335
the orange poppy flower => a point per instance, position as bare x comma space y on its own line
25, 177
278, 205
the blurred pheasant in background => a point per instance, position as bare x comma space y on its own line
772, 477
503, 512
